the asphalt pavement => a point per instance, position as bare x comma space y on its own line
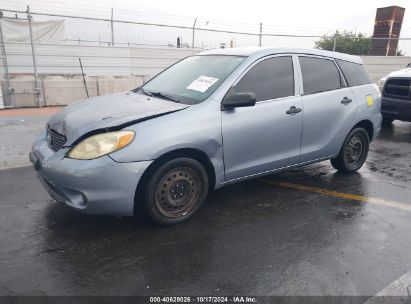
309, 231
19, 128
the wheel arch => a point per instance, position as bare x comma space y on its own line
367, 125
193, 153
340, 161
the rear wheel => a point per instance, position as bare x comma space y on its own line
353, 152
175, 191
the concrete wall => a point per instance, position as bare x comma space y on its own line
96, 60
108, 70
63, 90
24, 94
59, 90
1, 99
379, 66
110, 84
123, 61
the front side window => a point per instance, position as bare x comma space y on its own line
193, 79
319, 75
269, 79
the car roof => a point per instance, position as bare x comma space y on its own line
265, 51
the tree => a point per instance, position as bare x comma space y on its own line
345, 42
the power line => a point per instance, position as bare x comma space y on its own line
205, 28
62, 8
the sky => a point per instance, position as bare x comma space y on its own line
315, 17
314, 14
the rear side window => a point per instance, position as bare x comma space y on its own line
269, 79
319, 75
354, 73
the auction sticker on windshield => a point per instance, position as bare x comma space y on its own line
202, 83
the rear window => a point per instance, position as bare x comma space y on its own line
354, 73
319, 75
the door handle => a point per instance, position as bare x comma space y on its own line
346, 100
294, 110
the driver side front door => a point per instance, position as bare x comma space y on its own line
266, 136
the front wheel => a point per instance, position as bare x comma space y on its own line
175, 191
353, 152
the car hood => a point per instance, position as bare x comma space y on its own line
108, 112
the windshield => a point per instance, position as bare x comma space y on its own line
193, 79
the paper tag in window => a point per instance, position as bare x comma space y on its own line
202, 83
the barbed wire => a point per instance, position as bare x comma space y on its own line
103, 12
88, 28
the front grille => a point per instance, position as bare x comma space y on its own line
398, 88
55, 140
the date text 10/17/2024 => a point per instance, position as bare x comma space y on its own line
204, 299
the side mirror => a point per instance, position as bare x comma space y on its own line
238, 100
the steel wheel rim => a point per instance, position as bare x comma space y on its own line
177, 192
354, 151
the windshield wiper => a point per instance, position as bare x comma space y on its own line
164, 96
143, 91
160, 94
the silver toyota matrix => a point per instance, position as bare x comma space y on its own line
211, 119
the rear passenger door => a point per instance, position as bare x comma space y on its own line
329, 108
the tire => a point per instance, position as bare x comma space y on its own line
175, 191
353, 153
387, 120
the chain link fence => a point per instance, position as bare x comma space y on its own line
121, 45
127, 30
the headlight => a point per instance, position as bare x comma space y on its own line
381, 83
101, 144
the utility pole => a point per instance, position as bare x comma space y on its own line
387, 53
112, 27
9, 90
260, 36
192, 43
33, 52
335, 42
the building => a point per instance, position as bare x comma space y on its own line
387, 28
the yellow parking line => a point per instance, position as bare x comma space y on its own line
354, 197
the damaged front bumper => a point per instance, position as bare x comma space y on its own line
97, 186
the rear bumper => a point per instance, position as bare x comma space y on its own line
98, 186
396, 109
